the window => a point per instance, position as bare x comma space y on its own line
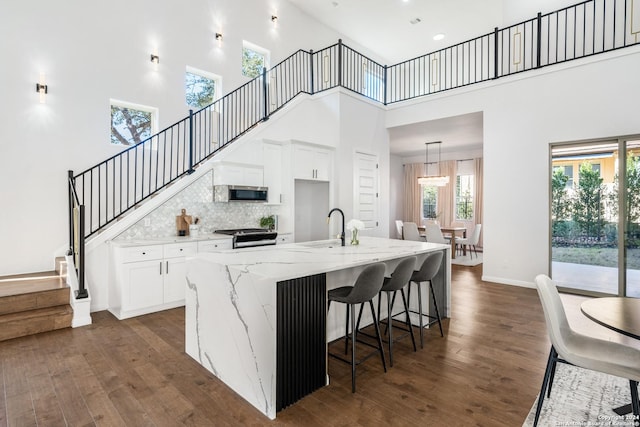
464, 197
429, 202
131, 123
568, 171
254, 59
201, 87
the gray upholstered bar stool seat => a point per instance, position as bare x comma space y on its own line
398, 280
427, 272
365, 288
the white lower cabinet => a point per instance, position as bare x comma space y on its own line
214, 245
148, 278
284, 238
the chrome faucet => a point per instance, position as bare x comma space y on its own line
341, 213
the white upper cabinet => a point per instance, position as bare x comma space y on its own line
238, 174
273, 174
311, 162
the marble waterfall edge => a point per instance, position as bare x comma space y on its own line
242, 354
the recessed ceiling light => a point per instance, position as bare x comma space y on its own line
415, 21
439, 36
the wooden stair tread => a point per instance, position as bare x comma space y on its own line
29, 284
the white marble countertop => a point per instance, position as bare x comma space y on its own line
123, 243
288, 261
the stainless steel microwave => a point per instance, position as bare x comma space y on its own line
240, 193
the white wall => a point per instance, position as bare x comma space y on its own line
522, 116
91, 52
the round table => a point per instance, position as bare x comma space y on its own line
617, 313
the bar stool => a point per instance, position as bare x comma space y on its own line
365, 288
398, 280
427, 272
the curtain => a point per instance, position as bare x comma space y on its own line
478, 179
412, 193
447, 194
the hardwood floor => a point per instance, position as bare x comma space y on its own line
486, 371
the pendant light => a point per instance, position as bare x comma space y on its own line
432, 180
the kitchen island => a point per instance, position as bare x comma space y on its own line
256, 318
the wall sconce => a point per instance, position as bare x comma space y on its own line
274, 19
155, 59
42, 88
219, 37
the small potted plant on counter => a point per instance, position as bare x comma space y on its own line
268, 222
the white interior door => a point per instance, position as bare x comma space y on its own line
366, 189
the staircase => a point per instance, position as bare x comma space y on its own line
34, 303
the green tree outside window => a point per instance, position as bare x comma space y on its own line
129, 126
200, 91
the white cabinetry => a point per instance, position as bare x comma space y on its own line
311, 162
284, 238
273, 178
237, 174
148, 278
214, 245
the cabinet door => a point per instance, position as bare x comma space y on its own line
253, 177
142, 284
175, 279
273, 172
303, 164
322, 164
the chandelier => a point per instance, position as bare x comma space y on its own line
432, 180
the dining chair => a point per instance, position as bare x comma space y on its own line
399, 228
471, 241
410, 232
434, 234
569, 346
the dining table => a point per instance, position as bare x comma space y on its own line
451, 231
620, 314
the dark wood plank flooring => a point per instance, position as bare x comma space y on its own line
486, 371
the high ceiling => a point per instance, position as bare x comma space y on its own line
385, 28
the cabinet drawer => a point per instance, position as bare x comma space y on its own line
180, 249
142, 253
214, 245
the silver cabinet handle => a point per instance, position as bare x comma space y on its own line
161, 268
167, 269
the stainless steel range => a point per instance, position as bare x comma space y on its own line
250, 237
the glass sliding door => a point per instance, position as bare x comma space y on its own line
584, 217
631, 282
595, 217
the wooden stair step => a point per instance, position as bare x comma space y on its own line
28, 292
31, 322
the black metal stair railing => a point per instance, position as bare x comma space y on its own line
115, 186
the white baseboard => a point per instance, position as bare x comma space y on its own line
509, 282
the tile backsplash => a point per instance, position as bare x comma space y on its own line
197, 199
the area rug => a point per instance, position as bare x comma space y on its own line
467, 260
581, 397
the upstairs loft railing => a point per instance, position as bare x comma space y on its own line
115, 186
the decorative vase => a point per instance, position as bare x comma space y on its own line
354, 237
